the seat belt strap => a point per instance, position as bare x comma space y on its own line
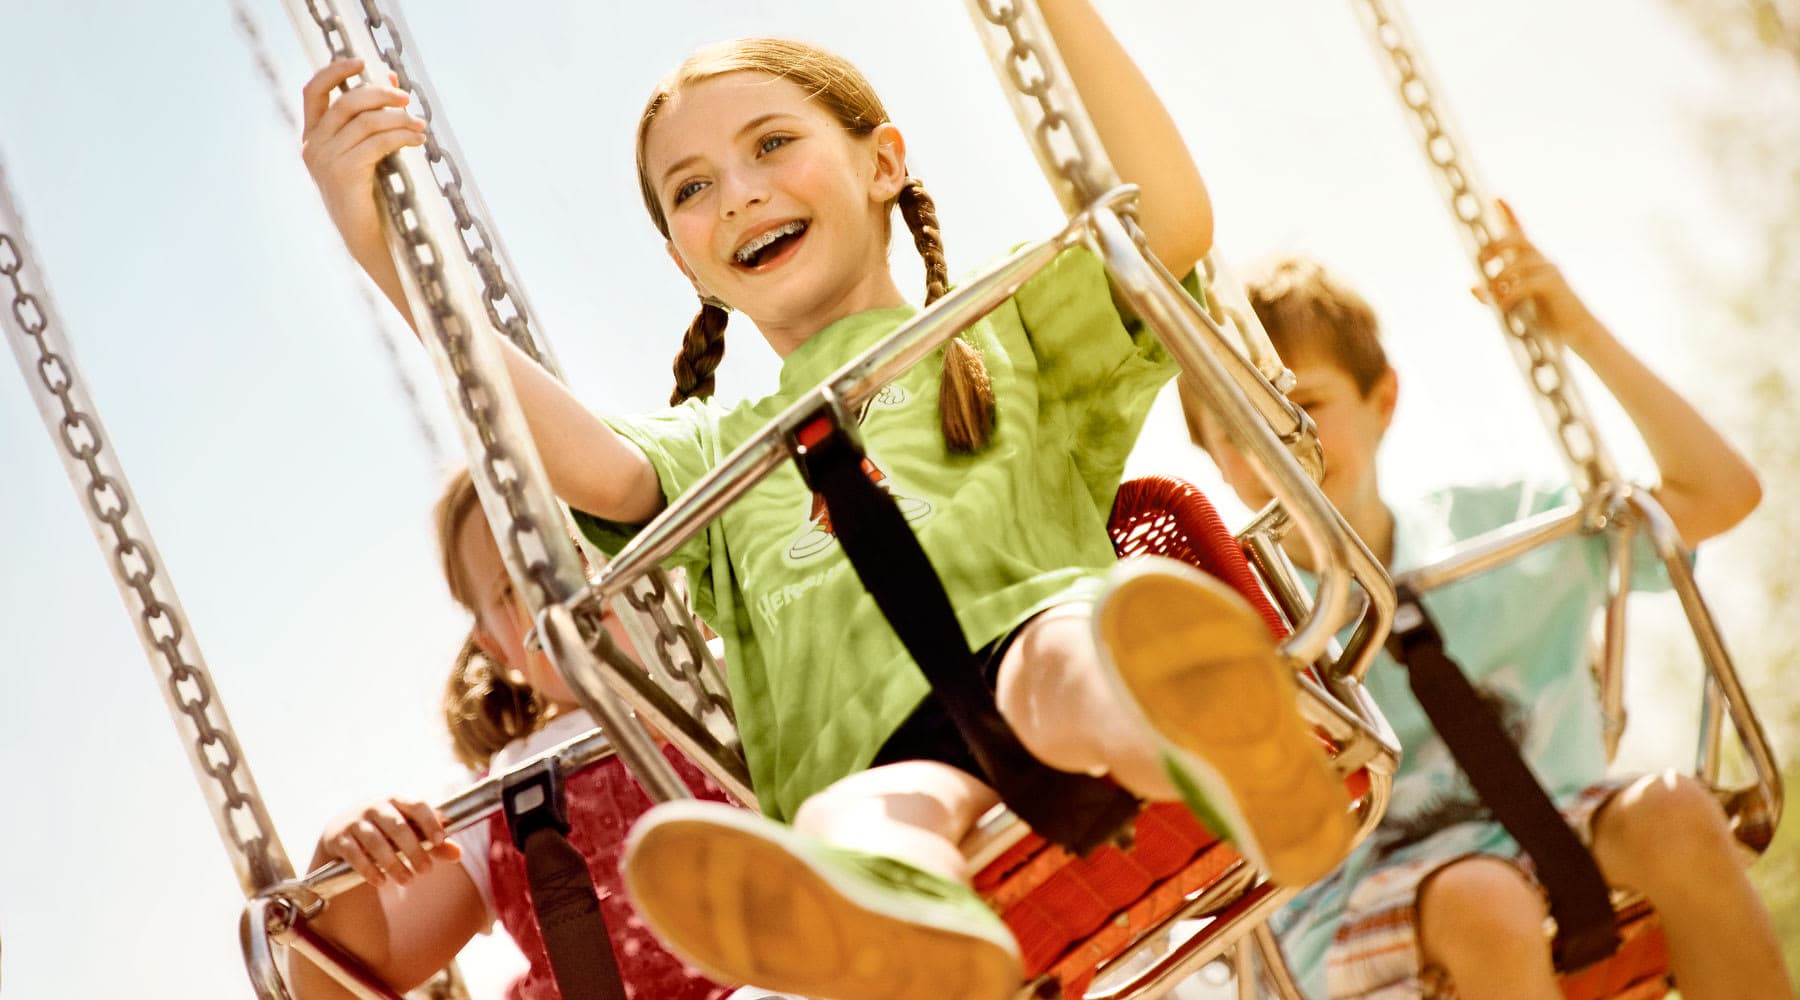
1586, 930
562, 891
1074, 811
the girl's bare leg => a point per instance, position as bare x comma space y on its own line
1482, 921
1667, 837
917, 811
1052, 691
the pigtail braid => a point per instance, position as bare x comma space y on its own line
966, 397
702, 348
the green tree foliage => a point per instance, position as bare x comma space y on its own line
1752, 136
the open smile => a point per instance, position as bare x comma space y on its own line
770, 247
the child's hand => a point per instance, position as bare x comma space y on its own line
393, 837
1526, 275
342, 140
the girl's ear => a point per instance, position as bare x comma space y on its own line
688, 272
890, 163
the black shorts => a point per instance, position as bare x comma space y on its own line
928, 733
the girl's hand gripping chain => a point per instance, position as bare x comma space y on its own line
344, 137
341, 142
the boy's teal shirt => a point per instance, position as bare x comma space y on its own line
1521, 634
818, 679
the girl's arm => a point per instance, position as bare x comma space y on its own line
410, 917
1706, 487
1140, 138
590, 466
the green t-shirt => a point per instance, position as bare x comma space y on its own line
818, 679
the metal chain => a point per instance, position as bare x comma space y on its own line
270, 75
243, 822
680, 650
1540, 356
1061, 146
523, 535
682, 655
505, 309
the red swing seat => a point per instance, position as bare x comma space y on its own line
1072, 915
1639, 970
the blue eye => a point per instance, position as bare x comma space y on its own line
688, 190
770, 144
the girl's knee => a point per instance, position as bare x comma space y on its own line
1479, 903
923, 794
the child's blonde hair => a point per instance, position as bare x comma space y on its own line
966, 400
485, 707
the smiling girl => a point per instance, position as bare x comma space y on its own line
772, 171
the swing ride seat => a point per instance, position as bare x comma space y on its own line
1074, 915
1639, 968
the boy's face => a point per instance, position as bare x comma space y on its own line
1350, 425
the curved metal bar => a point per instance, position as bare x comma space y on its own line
264, 965
1151, 299
1755, 810
1486, 551
1609, 667
34, 332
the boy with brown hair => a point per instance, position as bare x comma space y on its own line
1439, 901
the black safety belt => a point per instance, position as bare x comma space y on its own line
562, 891
1586, 930
1075, 811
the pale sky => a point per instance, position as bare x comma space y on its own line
246, 390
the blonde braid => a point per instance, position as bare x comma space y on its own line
702, 348
966, 397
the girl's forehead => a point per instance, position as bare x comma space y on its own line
716, 107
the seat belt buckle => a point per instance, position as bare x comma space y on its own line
821, 438
532, 799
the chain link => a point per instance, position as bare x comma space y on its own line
681, 656
1541, 357
522, 535
505, 309
242, 820
1061, 147
680, 652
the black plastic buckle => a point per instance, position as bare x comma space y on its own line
532, 800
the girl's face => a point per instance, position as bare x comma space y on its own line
500, 618
773, 206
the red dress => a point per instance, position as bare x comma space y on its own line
603, 801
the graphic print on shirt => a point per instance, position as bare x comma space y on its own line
818, 536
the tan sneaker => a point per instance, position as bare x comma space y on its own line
750, 900
1199, 666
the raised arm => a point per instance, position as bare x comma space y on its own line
590, 466
1706, 487
1139, 135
